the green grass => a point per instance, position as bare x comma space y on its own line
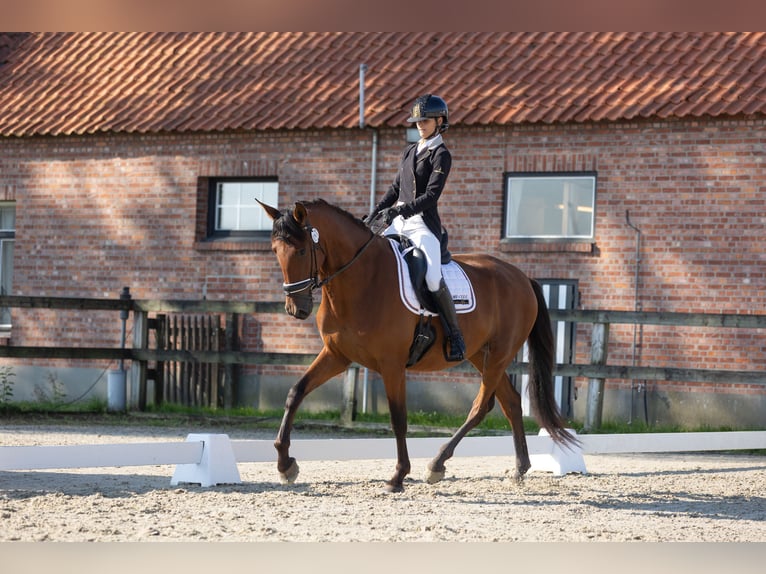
92, 406
622, 427
420, 423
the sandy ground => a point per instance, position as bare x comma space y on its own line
666, 497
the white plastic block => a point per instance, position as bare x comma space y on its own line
559, 460
217, 464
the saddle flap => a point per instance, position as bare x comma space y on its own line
454, 276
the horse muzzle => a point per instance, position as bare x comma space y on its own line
299, 306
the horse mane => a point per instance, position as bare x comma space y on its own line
288, 229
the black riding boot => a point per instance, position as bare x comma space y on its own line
446, 306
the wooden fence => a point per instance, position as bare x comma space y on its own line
183, 382
597, 370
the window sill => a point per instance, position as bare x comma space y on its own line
230, 244
584, 247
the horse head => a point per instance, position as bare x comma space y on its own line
295, 243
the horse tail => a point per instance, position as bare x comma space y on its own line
541, 347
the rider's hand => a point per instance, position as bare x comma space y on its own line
367, 219
389, 214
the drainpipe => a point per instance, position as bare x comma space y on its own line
373, 177
637, 307
362, 71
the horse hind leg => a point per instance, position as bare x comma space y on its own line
482, 404
510, 403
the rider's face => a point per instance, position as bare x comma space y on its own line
426, 127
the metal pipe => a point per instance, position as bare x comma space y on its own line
373, 177
373, 168
636, 307
362, 70
125, 296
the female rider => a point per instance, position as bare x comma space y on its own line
409, 206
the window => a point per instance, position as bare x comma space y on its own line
233, 210
7, 238
550, 206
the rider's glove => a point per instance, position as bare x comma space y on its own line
367, 219
389, 214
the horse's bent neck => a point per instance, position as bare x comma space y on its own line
341, 242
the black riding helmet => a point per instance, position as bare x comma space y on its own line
429, 106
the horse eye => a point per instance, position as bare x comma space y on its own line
302, 252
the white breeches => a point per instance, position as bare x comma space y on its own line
416, 230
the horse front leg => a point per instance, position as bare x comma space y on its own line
510, 403
397, 406
324, 367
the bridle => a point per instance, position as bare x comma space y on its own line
313, 282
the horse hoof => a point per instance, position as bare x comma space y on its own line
434, 476
289, 476
393, 488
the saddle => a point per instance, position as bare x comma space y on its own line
417, 267
416, 296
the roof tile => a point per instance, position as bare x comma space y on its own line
75, 83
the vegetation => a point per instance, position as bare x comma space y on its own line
420, 423
6, 386
50, 403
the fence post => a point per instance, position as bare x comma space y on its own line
160, 380
598, 353
348, 408
230, 371
138, 368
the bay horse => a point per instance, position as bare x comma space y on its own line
362, 319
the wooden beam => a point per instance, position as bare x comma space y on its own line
659, 318
598, 353
207, 306
81, 303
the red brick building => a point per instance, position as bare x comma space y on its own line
120, 155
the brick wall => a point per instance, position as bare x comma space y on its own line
695, 190
96, 213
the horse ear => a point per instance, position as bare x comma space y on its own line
271, 211
300, 213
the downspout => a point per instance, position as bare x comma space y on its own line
636, 307
373, 177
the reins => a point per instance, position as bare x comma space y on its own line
314, 282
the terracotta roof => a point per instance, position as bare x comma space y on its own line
76, 83
9, 41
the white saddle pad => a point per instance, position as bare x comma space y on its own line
454, 276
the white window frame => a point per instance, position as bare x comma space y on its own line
233, 210
7, 241
519, 208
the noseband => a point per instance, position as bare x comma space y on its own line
313, 282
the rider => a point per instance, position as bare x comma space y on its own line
409, 206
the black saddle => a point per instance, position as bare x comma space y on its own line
418, 265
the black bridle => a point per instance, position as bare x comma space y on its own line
313, 282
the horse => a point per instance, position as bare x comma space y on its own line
362, 319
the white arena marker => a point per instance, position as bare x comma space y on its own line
208, 459
673, 442
216, 466
558, 460
97, 455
